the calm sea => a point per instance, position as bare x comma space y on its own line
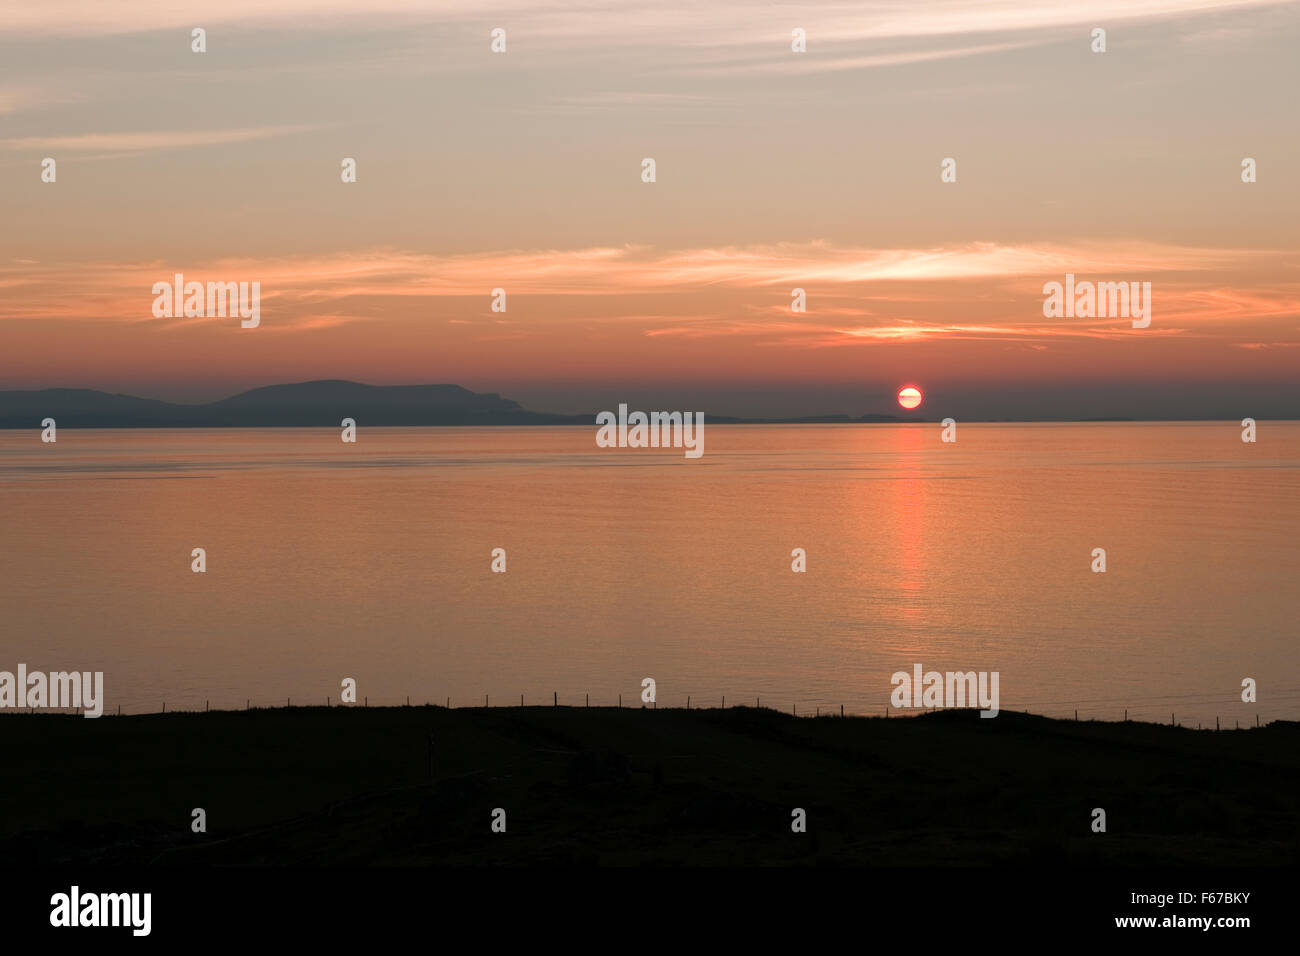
373, 561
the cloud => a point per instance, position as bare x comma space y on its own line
14, 99
720, 23
855, 295
833, 62
108, 144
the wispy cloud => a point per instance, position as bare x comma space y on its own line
107, 144
720, 23
14, 99
981, 290
610, 270
836, 60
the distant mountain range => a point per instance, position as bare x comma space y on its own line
323, 403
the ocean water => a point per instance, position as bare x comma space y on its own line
372, 561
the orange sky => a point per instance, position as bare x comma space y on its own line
776, 171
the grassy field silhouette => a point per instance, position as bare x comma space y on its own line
584, 786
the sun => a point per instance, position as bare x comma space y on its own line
909, 396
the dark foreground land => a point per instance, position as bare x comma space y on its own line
316, 786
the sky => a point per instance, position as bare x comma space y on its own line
774, 170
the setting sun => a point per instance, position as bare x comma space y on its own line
909, 396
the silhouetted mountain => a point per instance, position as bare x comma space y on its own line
316, 394
307, 403
85, 408
323, 403
328, 402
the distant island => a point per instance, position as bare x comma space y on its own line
322, 403
327, 402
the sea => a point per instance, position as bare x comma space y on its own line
495, 566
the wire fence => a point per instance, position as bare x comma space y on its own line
1199, 710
